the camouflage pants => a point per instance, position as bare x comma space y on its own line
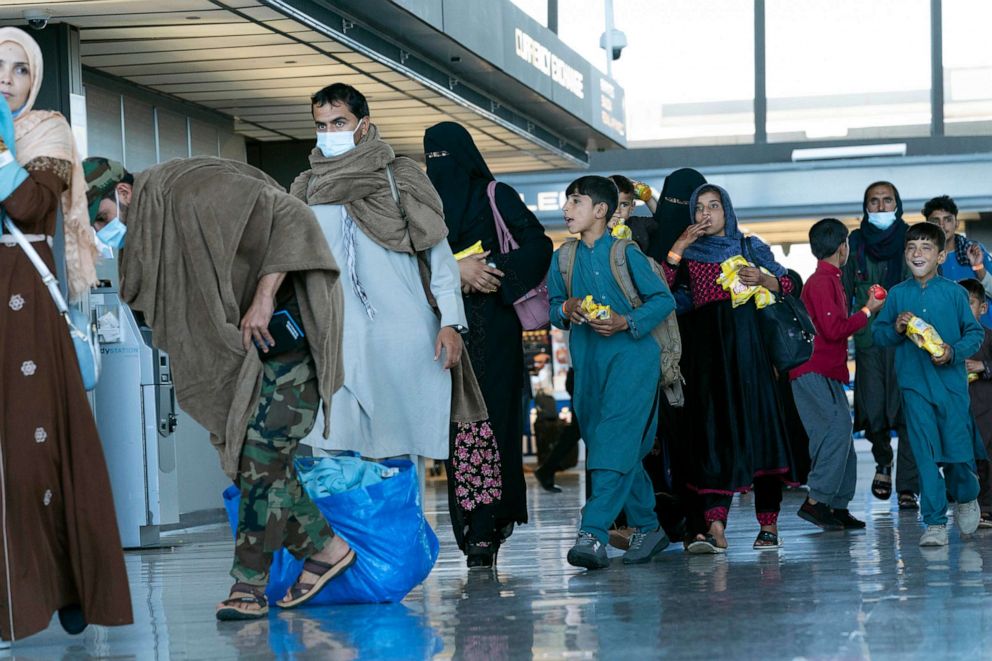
275, 511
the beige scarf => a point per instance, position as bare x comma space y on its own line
43, 133
358, 180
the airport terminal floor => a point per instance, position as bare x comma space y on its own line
873, 594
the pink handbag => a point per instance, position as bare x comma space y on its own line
533, 308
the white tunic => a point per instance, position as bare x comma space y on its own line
396, 398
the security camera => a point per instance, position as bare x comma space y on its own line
37, 19
618, 41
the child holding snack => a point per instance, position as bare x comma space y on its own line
610, 350
928, 320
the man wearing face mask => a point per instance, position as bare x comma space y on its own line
211, 252
404, 379
876, 257
108, 185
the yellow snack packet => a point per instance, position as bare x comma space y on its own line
621, 231
972, 377
925, 336
594, 310
474, 249
739, 292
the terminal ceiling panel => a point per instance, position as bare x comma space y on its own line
250, 62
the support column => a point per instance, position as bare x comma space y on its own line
59, 44
760, 94
936, 68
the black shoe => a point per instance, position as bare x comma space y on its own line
480, 557
72, 620
848, 521
907, 501
819, 515
546, 481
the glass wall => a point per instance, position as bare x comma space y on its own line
967, 67
847, 69
687, 70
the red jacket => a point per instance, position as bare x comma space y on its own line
824, 298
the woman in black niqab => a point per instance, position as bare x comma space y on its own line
673, 213
494, 339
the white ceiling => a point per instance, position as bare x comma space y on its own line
250, 62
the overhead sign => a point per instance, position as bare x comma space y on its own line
532, 51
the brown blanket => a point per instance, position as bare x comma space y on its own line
201, 232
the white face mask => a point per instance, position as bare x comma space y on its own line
335, 143
882, 219
112, 234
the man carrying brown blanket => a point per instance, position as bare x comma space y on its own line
209, 246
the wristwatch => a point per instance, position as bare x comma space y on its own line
461, 330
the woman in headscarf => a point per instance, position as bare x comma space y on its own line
491, 282
734, 424
61, 550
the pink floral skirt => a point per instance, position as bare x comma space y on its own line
475, 460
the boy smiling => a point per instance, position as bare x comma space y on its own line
934, 389
618, 422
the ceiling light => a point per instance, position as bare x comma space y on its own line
849, 151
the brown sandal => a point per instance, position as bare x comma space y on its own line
254, 594
301, 593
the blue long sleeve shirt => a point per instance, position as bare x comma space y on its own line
616, 377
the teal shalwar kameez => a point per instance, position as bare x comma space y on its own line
935, 399
616, 384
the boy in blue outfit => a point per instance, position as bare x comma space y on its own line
934, 389
618, 422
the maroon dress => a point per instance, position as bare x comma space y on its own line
60, 545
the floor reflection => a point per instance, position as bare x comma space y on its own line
873, 594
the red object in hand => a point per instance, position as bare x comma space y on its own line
878, 291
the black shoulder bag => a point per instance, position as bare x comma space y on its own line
787, 330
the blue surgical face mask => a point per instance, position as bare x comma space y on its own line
882, 219
112, 234
335, 143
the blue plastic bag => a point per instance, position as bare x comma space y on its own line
384, 523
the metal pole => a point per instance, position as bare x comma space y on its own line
760, 93
553, 15
609, 37
936, 69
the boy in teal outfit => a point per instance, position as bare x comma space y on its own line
935, 388
618, 422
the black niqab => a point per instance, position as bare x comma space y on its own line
673, 213
459, 173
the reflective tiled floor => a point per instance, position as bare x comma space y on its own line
873, 594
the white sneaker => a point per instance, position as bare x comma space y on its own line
934, 536
968, 516
4, 645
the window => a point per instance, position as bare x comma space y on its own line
847, 69
687, 71
967, 67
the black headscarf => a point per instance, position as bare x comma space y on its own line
459, 173
886, 245
673, 214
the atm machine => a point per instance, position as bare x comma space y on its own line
135, 410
